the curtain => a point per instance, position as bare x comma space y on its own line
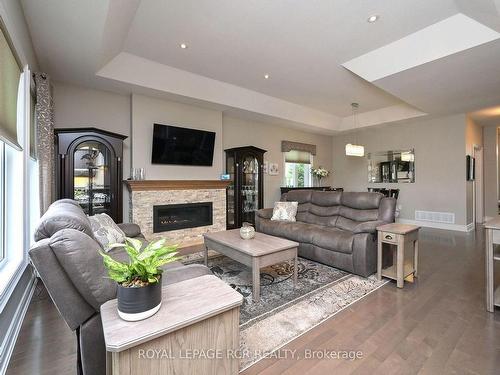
45, 144
297, 146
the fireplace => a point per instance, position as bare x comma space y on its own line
180, 216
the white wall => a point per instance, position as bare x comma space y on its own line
473, 137
490, 171
439, 164
238, 132
77, 107
146, 111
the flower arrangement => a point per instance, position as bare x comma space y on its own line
319, 173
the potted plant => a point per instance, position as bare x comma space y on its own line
139, 280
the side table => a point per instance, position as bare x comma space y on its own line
404, 237
195, 331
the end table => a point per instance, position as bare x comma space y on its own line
404, 237
196, 331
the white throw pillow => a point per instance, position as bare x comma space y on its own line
106, 231
285, 211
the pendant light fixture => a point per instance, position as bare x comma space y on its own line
354, 149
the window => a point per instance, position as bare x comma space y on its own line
2, 199
18, 177
298, 169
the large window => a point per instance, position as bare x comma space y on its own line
298, 169
2, 200
18, 178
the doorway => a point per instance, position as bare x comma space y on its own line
477, 185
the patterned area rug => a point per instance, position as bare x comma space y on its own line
284, 312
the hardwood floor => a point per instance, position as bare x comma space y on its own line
46, 345
438, 325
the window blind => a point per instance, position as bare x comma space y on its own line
295, 156
10, 73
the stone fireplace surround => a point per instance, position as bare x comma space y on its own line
148, 193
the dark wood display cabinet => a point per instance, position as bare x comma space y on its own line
89, 169
245, 193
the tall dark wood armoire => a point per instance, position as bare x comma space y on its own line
89, 169
245, 193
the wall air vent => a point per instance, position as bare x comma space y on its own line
435, 217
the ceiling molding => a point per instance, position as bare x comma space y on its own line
135, 70
381, 116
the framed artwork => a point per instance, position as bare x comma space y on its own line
273, 169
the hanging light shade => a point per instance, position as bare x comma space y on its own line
354, 149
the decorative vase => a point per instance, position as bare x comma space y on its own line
247, 231
139, 303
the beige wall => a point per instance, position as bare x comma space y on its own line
134, 116
490, 171
473, 137
439, 164
238, 132
76, 107
146, 111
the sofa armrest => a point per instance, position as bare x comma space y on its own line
368, 226
130, 229
265, 213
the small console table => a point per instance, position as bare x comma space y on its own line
196, 331
492, 237
285, 189
402, 236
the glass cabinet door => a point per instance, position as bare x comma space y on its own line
231, 202
92, 178
249, 188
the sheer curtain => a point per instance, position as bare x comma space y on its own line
45, 140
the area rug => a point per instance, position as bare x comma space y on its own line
284, 312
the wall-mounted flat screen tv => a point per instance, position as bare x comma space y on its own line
182, 146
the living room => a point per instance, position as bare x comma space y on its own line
314, 185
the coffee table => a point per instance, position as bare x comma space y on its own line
261, 251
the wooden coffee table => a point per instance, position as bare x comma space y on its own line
261, 251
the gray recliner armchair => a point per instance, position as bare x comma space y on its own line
66, 257
334, 228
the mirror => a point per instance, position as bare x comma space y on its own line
391, 166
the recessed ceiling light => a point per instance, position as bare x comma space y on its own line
183, 45
373, 18
266, 76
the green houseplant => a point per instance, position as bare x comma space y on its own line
139, 280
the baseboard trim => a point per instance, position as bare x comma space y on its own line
429, 224
9, 341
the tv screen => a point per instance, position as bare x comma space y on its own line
182, 146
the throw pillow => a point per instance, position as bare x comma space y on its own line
106, 232
285, 211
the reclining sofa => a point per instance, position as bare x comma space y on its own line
334, 228
66, 258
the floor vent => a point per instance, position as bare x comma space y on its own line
435, 217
